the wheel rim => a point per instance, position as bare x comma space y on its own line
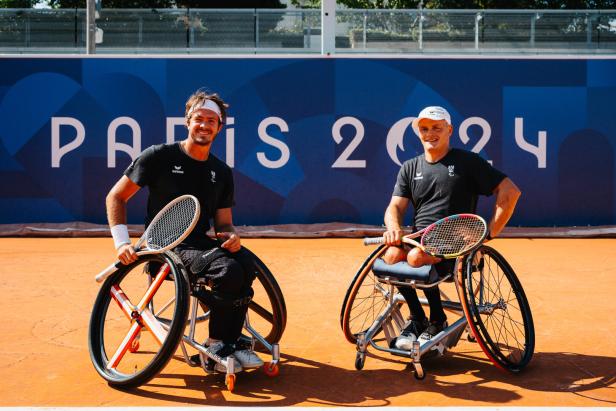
364, 300
113, 331
267, 310
500, 314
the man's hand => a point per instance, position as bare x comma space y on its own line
231, 241
127, 254
393, 237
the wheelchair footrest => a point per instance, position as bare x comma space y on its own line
401, 271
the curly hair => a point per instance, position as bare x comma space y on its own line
200, 96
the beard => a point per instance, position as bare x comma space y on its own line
202, 140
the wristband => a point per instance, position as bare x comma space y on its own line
120, 235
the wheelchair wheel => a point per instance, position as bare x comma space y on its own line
268, 304
497, 310
364, 299
130, 339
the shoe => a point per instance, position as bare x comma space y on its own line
248, 358
222, 350
410, 333
432, 330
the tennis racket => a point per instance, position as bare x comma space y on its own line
449, 237
169, 228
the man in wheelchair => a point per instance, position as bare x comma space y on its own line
221, 265
440, 182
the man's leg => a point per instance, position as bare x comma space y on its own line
418, 321
438, 318
227, 282
236, 274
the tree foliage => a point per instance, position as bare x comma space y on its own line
149, 4
226, 4
16, 4
466, 4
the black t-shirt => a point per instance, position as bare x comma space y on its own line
168, 172
449, 186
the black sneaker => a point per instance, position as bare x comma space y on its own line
432, 330
410, 333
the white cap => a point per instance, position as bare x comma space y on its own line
432, 113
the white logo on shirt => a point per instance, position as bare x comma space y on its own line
213, 176
450, 169
177, 170
418, 175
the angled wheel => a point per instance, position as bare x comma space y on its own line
271, 369
497, 310
268, 304
364, 299
230, 382
130, 338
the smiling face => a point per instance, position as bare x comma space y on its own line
203, 126
434, 135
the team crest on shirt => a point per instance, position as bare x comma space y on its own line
177, 170
213, 179
451, 171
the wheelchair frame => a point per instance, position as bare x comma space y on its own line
475, 306
180, 330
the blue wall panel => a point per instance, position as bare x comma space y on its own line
549, 124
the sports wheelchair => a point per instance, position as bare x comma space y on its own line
492, 304
132, 340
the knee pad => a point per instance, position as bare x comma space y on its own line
203, 261
223, 300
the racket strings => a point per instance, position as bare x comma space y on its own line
454, 236
171, 224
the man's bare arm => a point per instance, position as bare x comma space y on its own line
117, 198
116, 201
225, 231
394, 215
507, 194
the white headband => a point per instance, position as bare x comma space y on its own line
206, 105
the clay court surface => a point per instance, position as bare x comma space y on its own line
48, 288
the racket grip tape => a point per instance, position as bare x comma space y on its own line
373, 240
107, 272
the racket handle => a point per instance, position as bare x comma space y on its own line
373, 240
107, 272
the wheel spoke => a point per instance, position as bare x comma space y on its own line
149, 294
262, 312
124, 345
159, 333
500, 312
123, 302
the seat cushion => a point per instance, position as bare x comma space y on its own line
404, 272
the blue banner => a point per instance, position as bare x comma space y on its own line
311, 140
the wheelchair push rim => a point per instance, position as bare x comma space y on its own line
129, 340
497, 310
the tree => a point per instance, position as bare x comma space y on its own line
164, 4
466, 4
226, 4
114, 4
17, 4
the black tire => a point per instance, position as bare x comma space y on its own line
364, 299
497, 310
360, 360
109, 324
273, 312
